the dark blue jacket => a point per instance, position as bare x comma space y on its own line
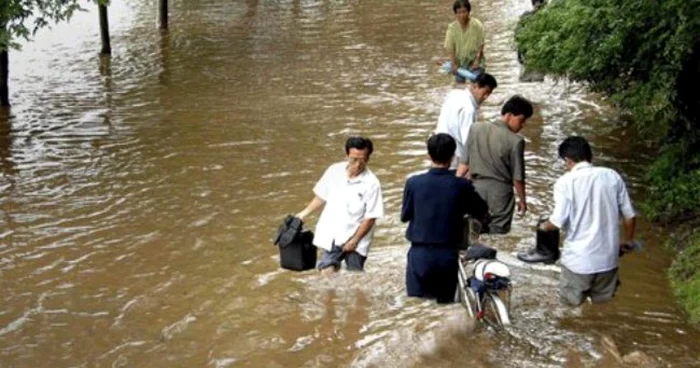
435, 203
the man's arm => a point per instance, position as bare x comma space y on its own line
518, 173
520, 191
560, 213
479, 56
463, 171
364, 228
451, 53
407, 206
463, 168
313, 206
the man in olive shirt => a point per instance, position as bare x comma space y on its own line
464, 40
495, 162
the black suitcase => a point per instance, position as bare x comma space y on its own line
297, 252
300, 254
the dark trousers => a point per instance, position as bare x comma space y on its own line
431, 272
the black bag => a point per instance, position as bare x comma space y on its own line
297, 252
478, 251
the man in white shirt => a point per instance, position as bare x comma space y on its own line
351, 198
459, 112
589, 204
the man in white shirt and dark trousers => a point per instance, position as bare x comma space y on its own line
351, 198
459, 112
589, 204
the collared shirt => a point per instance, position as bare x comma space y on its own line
434, 205
495, 152
588, 202
466, 43
349, 201
457, 114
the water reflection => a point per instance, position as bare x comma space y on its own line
6, 162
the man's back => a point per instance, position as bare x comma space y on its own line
435, 203
457, 114
494, 152
593, 199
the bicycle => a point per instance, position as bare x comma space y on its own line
482, 281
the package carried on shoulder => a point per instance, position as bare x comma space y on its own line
297, 252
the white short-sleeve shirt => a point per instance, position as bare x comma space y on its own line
457, 115
588, 204
348, 203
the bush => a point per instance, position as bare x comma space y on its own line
645, 56
686, 278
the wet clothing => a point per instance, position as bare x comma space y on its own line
457, 115
496, 158
353, 261
434, 205
589, 203
349, 201
574, 288
431, 272
467, 43
501, 202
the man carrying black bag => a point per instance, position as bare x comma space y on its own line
351, 198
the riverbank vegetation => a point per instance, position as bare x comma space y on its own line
645, 58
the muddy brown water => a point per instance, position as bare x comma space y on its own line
138, 195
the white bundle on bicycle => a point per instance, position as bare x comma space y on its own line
488, 269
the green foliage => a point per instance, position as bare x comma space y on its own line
685, 277
674, 185
643, 55
20, 19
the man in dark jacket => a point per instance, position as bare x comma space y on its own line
434, 205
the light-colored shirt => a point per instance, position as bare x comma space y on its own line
588, 203
349, 201
495, 152
457, 115
466, 43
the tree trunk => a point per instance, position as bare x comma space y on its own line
163, 13
104, 30
4, 90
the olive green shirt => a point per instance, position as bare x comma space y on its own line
465, 43
495, 152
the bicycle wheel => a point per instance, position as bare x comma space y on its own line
495, 311
466, 294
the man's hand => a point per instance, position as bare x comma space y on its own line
522, 207
300, 215
475, 65
350, 246
453, 68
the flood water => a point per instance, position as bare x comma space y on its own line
139, 194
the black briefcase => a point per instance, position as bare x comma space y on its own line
300, 254
297, 252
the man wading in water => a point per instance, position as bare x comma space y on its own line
464, 41
352, 201
589, 203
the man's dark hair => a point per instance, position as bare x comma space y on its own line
359, 143
441, 148
517, 105
486, 80
462, 4
575, 148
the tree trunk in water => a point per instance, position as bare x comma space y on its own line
4, 69
163, 13
104, 30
